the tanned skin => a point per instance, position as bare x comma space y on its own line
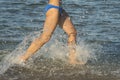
53, 18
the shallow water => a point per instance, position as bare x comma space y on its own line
97, 23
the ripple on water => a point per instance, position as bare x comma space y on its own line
97, 23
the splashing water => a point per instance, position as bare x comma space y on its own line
12, 58
54, 49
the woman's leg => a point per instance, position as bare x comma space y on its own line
68, 27
50, 24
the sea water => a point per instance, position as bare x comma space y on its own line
97, 23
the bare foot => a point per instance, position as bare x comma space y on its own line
22, 59
75, 62
19, 61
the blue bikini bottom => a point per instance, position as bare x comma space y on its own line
49, 6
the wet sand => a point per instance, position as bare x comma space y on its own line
55, 70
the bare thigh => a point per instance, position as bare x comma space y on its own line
51, 21
66, 23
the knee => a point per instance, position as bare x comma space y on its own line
73, 33
72, 37
44, 38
